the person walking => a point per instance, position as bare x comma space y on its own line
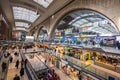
21, 71
22, 62
17, 64
11, 59
16, 77
4, 66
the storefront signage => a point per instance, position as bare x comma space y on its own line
58, 33
64, 61
76, 67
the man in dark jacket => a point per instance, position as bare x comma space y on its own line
16, 77
17, 64
11, 58
22, 72
4, 66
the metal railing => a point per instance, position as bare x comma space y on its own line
91, 68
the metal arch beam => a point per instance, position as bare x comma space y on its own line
20, 31
20, 27
89, 20
94, 16
20, 20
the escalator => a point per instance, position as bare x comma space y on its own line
36, 69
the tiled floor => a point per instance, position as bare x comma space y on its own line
12, 71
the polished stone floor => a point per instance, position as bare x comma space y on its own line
12, 70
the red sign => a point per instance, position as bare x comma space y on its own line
85, 27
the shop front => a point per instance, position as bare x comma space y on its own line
77, 52
109, 41
86, 56
108, 58
69, 70
59, 51
52, 59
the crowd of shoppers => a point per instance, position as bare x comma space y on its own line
11, 54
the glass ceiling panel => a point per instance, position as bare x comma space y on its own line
94, 19
24, 14
44, 3
80, 22
20, 29
22, 24
76, 25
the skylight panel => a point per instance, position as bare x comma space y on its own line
44, 3
22, 24
24, 14
20, 29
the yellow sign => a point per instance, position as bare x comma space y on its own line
83, 35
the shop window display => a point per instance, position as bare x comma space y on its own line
108, 61
77, 53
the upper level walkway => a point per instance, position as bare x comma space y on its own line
102, 71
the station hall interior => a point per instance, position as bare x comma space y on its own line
59, 39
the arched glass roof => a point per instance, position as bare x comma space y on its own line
86, 22
24, 14
21, 13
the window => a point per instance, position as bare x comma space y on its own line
22, 24
24, 14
